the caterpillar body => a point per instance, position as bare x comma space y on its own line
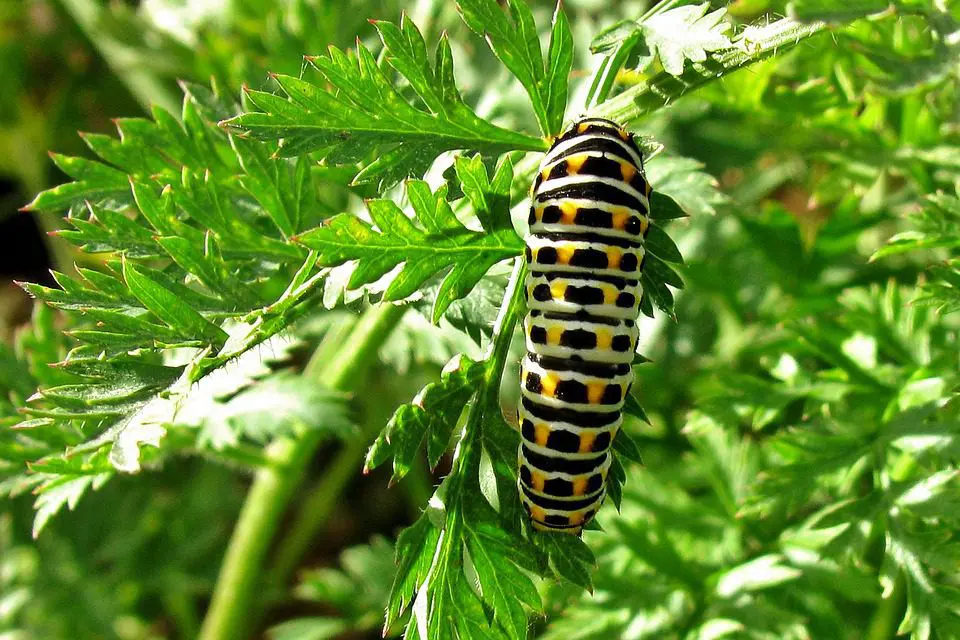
589, 216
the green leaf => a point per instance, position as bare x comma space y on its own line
308, 629
559, 64
282, 187
675, 36
515, 41
281, 404
56, 492
505, 588
433, 414
686, 33
569, 557
760, 573
440, 241
626, 447
168, 307
416, 547
364, 117
687, 189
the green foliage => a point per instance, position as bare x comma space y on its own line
364, 118
184, 272
517, 44
358, 591
936, 228
674, 36
787, 464
440, 243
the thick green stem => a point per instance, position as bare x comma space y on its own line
662, 88
273, 486
142, 84
315, 511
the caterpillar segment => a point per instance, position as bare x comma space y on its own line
589, 215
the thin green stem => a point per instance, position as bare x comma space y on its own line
886, 617
274, 485
662, 88
146, 87
511, 311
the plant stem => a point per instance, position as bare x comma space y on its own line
142, 84
315, 510
662, 88
886, 617
511, 311
273, 486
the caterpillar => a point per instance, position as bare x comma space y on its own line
589, 215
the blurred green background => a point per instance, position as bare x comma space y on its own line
768, 398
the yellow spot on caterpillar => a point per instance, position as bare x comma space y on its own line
613, 258
586, 441
537, 513
553, 334
545, 174
549, 384
538, 213
580, 486
575, 163
620, 218
576, 518
542, 433
604, 339
610, 294
557, 289
564, 253
583, 127
627, 170
568, 211
537, 480
648, 190
644, 223
595, 393
624, 134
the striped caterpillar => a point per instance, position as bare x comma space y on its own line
588, 219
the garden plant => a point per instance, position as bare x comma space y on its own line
270, 388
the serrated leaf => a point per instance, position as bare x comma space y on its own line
516, 42
438, 243
168, 307
685, 33
504, 587
58, 492
681, 180
416, 547
279, 405
626, 447
569, 557
433, 414
364, 117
